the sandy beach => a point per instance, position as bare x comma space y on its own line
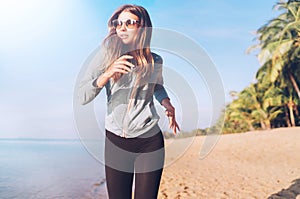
261, 164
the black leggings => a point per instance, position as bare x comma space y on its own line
141, 158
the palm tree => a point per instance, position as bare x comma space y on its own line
240, 114
290, 102
276, 94
235, 121
279, 41
259, 104
252, 97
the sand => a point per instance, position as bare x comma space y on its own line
261, 164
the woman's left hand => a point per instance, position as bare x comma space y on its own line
172, 120
170, 112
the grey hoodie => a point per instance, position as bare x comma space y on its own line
121, 118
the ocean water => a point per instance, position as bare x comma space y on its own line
49, 169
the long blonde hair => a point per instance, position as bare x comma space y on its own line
114, 48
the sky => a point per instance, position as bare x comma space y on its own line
44, 44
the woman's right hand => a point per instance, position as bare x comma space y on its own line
121, 65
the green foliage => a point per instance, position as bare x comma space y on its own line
273, 101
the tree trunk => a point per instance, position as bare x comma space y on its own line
262, 124
268, 124
287, 119
251, 128
292, 117
294, 83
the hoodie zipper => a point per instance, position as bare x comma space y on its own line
129, 102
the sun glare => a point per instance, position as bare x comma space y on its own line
24, 21
13, 12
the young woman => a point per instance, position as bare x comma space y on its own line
132, 75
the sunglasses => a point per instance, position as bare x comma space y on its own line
129, 23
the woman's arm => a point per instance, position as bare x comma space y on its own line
161, 95
87, 89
